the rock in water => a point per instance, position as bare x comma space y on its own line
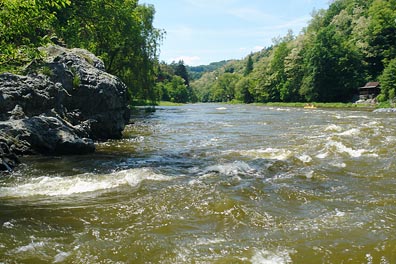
63, 103
94, 95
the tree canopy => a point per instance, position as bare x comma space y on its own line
120, 32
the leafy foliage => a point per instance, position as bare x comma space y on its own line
121, 32
388, 81
173, 83
25, 25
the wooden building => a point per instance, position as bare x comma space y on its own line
369, 91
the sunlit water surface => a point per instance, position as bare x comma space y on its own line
213, 184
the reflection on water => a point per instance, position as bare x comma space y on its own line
213, 184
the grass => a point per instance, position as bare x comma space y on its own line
135, 103
386, 104
166, 103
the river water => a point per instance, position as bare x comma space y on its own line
211, 183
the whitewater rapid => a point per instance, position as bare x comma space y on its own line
213, 184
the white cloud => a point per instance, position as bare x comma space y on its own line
188, 60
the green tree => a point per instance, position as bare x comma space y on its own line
382, 35
177, 90
249, 65
119, 31
24, 26
333, 68
274, 77
223, 89
181, 70
388, 81
243, 90
294, 71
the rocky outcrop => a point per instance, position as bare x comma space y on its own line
60, 106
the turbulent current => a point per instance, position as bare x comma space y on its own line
211, 183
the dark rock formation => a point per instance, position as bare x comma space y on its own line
8, 150
63, 103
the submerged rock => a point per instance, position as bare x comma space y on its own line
62, 104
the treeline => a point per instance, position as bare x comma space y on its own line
173, 83
120, 32
341, 49
173, 80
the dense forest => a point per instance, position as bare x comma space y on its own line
120, 32
173, 80
342, 48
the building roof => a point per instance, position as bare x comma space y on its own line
371, 85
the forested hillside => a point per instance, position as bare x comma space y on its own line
341, 49
121, 32
196, 72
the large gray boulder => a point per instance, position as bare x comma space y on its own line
61, 105
93, 94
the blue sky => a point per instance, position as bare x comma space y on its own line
204, 31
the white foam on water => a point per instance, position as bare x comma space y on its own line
221, 108
305, 158
83, 183
135, 176
207, 241
369, 258
268, 153
339, 213
333, 127
268, 257
357, 117
61, 257
8, 225
350, 132
33, 246
309, 174
341, 148
283, 109
322, 155
340, 165
231, 169
390, 138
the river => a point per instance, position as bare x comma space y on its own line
208, 183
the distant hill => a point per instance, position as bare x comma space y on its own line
196, 72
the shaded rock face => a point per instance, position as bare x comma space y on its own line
61, 105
